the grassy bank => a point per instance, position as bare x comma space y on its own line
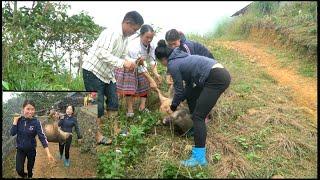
289, 25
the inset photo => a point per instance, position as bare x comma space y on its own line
49, 134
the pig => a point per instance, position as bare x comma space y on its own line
181, 118
52, 131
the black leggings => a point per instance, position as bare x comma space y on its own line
20, 159
202, 100
65, 145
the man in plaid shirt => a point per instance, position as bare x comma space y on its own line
108, 52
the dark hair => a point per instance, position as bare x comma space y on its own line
71, 107
134, 17
162, 50
172, 35
146, 28
27, 101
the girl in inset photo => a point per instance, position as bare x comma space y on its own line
67, 123
26, 127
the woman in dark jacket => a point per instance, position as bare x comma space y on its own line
205, 80
66, 124
26, 127
176, 39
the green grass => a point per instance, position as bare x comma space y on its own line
308, 70
33, 74
23, 81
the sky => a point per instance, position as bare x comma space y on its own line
197, 17
6, 95
189, 16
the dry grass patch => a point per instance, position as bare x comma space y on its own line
290, 147
232, 166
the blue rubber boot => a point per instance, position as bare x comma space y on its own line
66, 162
198, 157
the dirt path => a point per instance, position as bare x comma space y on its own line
305, 89
81, 165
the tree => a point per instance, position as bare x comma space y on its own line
44, 100
36, 40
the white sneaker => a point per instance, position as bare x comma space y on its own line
130, 114
145, 110
124, 132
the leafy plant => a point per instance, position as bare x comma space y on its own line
217, 157
252, 156
243, 142
5, 85
170, 170
130, 147
111, 164
232, 174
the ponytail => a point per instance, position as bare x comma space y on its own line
162, 50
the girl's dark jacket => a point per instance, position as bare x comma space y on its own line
26, 130
67, 123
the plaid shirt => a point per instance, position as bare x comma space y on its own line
106, 54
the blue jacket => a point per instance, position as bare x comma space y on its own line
26, 131
193, 69
67, 123
194, 48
